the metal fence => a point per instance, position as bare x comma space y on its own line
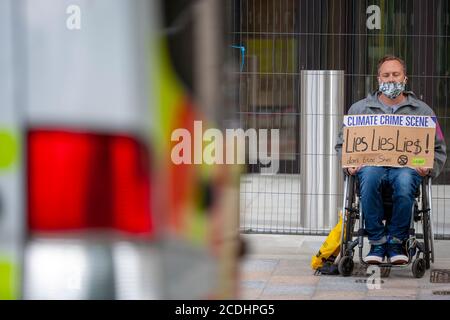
283, 37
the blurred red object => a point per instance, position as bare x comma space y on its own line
79, 180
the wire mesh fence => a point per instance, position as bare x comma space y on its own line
283, 37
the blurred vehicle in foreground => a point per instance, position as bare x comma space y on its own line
92, 206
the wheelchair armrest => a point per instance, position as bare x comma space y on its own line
426, 182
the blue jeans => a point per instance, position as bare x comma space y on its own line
404, 183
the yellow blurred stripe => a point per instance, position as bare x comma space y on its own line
168, 100
8, 283
9, 148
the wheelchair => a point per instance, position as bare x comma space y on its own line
420, 253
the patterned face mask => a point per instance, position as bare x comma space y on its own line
392, 89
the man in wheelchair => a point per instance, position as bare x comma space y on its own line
391, 98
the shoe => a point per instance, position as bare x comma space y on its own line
328, 269
396, 253
376, 254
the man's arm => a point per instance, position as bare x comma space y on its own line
440, 152
340, 141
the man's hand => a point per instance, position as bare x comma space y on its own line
352, 171
423, 171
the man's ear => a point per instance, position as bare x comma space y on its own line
406, 80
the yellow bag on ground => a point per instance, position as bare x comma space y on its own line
330, 248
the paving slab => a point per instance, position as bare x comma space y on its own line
278, 267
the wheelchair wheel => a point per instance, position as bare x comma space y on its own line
427, 223
345, 266
419, 267
426, 240
349, 227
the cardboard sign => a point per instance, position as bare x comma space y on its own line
388, 140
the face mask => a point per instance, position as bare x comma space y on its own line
392, 89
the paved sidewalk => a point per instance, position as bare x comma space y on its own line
278, 267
